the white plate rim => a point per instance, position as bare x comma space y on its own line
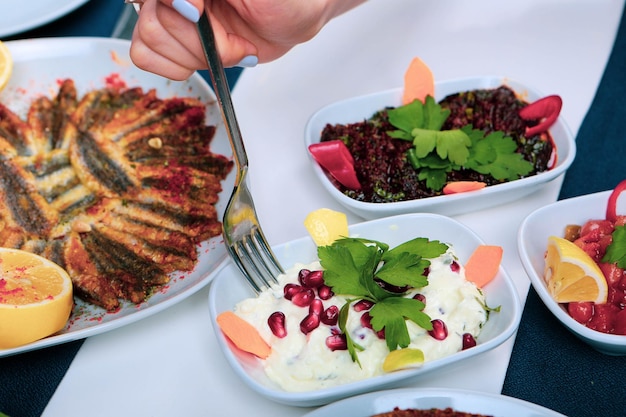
42, 12
382, 401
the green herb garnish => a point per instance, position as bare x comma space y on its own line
616, 250
437, 152
354, 267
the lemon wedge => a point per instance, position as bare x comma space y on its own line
6, 65
326, 225
571, 274
35, 298
403, 358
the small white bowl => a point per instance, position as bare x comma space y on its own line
360, 108
532, 243
229, 287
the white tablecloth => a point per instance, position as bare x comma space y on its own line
170, 364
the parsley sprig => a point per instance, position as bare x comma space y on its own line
616, 250
353, 267
437, 152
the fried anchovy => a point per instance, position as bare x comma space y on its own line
22, 205
16, 132
97, 169
50, 119
119, 187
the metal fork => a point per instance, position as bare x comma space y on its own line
242, 233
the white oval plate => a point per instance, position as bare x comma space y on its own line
230, 287
39, 64
360, 108
25, 15
494, 405
532, 242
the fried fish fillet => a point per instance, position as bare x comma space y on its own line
117, 186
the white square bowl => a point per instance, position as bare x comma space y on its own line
532, 244
229, 287
360, 108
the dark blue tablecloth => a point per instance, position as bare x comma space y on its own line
549, 365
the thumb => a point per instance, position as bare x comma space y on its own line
236, 51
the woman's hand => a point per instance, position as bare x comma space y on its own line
165, 40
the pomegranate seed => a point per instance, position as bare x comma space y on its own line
362, 305
330, 316
336, 342
468, 341
290, 290
316, 307
366, 320
439, 331
309, 323
325, 292
302, 274
303, 298
420, 297
426, 271
455, 267
276, 321
311, 279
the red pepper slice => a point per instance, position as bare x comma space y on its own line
335, 158
546, 109
611, 207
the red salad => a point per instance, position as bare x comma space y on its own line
605, 241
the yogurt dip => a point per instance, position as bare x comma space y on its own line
303, 362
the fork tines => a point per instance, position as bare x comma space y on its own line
255, 259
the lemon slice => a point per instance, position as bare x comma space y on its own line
572, 275
6, 65
35, 298
403, 358
326, 225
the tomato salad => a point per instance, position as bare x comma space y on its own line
604, 240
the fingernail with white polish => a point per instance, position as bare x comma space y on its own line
187, 10
249, 61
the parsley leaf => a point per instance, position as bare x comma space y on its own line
391, 314
495, 154
353, 267
437, 152
616, 251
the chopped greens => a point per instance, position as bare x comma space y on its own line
436, 152
616, 250
354, 267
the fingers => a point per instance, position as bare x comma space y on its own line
166, 42
163, 42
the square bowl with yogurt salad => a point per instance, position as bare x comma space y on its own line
305, 372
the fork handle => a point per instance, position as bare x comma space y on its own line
222, 90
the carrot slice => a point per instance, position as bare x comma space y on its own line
483, 264
243, 334
463, 186
418, 82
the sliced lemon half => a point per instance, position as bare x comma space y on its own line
35, 298
572, 275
